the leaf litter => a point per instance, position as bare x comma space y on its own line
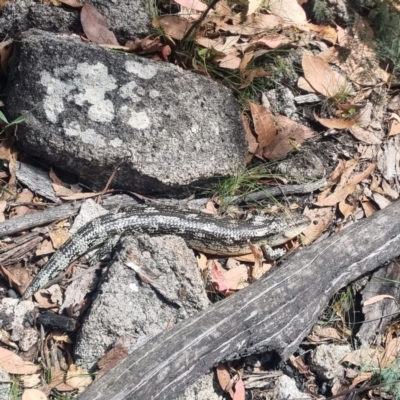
235, 43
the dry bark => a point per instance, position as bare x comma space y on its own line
274, 314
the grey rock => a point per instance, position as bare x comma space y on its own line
162, 128
30, 338
286, 389
130, 311
5, 388
282, 102
22, 15
37, 180
88, 211
325, 360
127, 18
206, 387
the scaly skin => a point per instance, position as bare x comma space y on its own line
210, 234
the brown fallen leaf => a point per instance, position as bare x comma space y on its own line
95, 26
347, 209
250, 138
366, 357
45, 248
389, 191
14, 364
377, 298
324, 333
391, 353
172, 25
237, 278
78, 378
321, 76
26, 196
321, 219
6, 49
29, 381
304, 85
364, 135
336, 197
360, 379
336, 123
79, 196
195, 5
289, 11
58, 237
290, 135
272, 41
224, 378
368, 207
229, 61
112, 358
395, 125
329, 33
33, 394
263, 124
337, 172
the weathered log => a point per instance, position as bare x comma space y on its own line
273, 314
39, 218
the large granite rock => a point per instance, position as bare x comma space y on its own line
163, 128
126, 18
129, 311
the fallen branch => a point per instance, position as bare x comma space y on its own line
272, 315
39, 218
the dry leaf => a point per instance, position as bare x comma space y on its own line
263, 124
253, 6
61, 337
173, 25
368, 208
218, 277
391, 353
336, 123
78, 378
366, 357
272, 41
325, 332
250, 138
239, 390
26, 196
304, 85
202, 262
112, 358
395, 126
33, 394
346, 209
321, 76
290, 135
288, 10
45, 248
356, 179
95, 26
224, 378
245, 258
321, 219
237, 278
337, 172
195, 5
389, 191
230, 61
336, 197
364, 135
328, 33
58, 237
30, 381
13, 364
360, 378
375, 299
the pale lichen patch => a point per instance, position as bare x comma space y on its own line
128, 90
139, 120
117, 142
144, 72
56, 91
89, 136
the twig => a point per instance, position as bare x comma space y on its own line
199, 21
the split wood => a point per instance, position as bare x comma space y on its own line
271, 315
